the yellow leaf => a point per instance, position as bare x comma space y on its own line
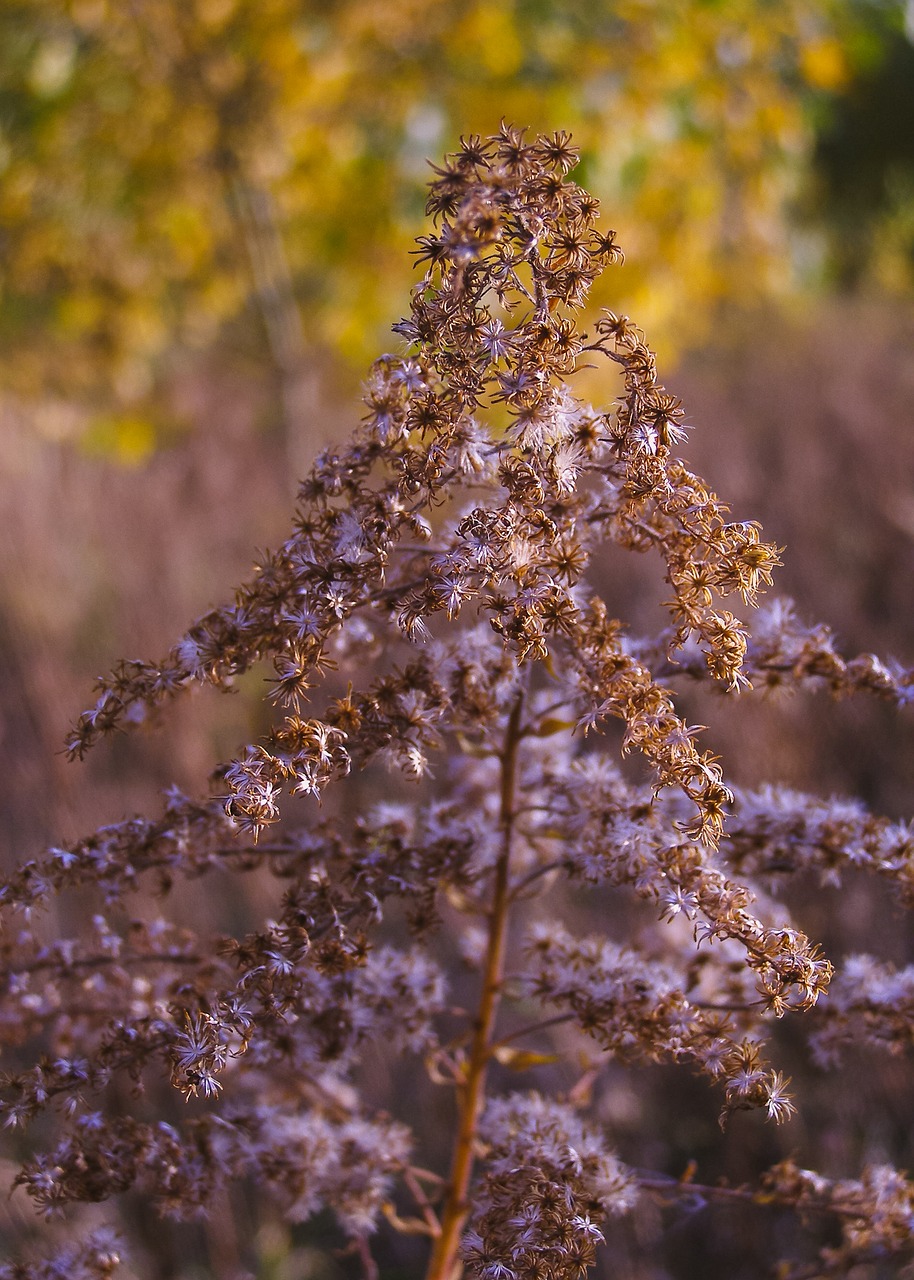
824, 65
522, 1059
552, 725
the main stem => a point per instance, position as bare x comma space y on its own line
472, 1090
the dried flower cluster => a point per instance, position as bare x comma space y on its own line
432, 611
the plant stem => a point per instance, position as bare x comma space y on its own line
455, 1210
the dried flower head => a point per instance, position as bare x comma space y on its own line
443, 560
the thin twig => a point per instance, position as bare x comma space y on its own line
532, 1028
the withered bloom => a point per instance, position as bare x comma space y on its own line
433, 609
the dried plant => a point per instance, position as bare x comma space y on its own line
435, 586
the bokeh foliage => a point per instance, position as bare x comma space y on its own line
180, 173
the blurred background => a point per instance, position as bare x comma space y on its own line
206, 208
